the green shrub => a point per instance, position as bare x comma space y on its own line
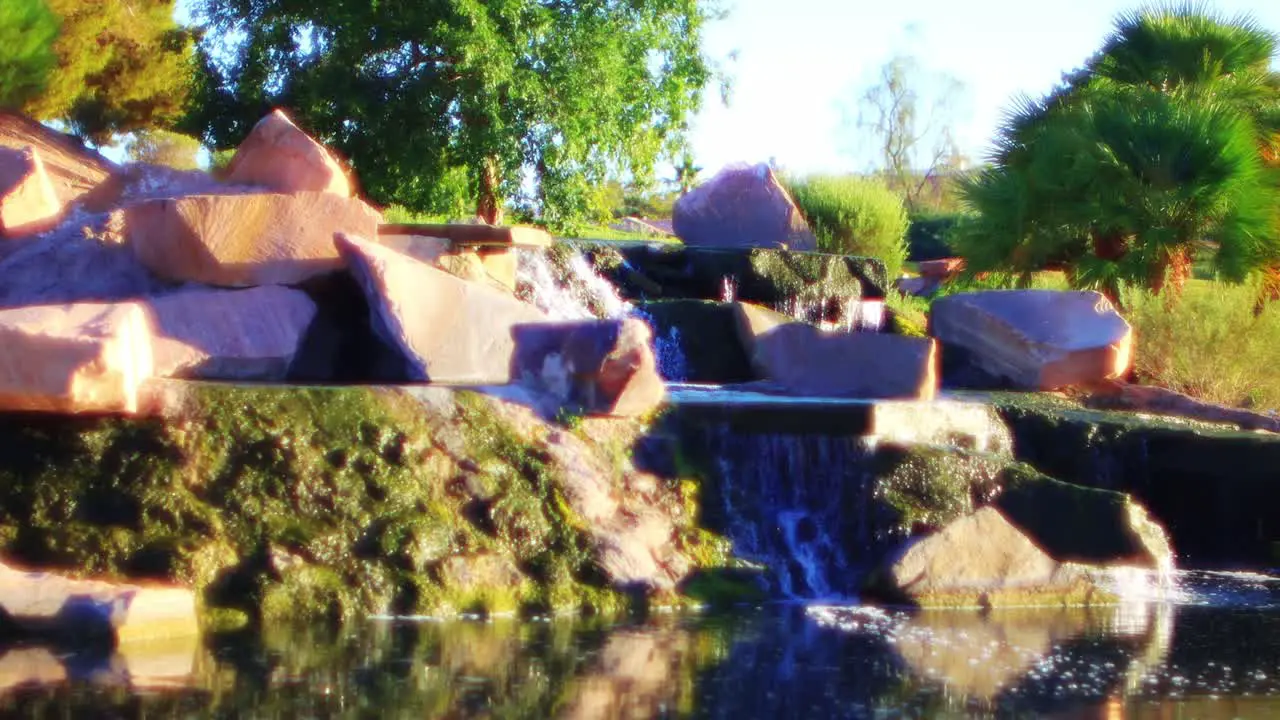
927, 236
854, 216
1210, 345
400, 215
162, 147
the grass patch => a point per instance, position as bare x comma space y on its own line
1210, 345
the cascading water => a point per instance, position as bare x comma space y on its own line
571, 289
800, 505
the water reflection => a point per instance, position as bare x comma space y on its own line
1189, 660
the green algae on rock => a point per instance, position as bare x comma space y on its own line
296, 503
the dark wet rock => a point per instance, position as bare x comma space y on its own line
1215, 489
706, 335
781, 279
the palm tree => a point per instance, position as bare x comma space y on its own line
1156, 145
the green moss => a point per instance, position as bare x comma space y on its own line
927, 487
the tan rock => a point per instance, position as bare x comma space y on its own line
493, 265
279, 156
74, 358
30, 666
49, 604
941, 269
1033, 339
597, 366
79, 176
473, 233
806, 360
28, 202
245, 240
249, 334
449, 329
743, 206
983, 560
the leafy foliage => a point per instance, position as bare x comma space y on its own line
1215, 344
855, 216
1152, 148
569, 93
122, 65
27, 32
162, 147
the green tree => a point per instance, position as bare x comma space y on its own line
910, 124
27, 32
565, 93
163, 147
1155, 147
122, 65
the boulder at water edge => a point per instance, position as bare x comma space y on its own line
249, 334
1031, 339
805, 360
460, 261
602, 367
448, 329
85, 611
74, 358
28, 202
278, 156
245, 240
742, 206
983, 560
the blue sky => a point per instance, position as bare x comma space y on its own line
797, 62
798, 66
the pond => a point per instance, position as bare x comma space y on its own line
1211, 650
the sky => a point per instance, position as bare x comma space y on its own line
798, 66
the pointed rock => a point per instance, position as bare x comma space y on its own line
278, 156
448, 329
245, 240
743, 206
28, 202
74, 358
249, 334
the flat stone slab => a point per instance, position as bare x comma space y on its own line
472, 234
49, 605
1034, 339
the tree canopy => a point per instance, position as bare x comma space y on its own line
121, 65
27, 31
554, 95
1155, 146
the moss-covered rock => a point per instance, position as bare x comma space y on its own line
1213, 487
327, 503
777, 278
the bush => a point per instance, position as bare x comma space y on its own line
927, 236
1210, 345
854, 216
162, 147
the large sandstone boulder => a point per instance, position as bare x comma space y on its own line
279, 156
245, 240
805, 360
79, 175
742, 206
74, 358
1031, 339
983, 560
596, 366
89, 610
462, 261
448, 329
249, 334
476, 234
28, 202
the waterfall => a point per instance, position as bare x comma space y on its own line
800, 505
